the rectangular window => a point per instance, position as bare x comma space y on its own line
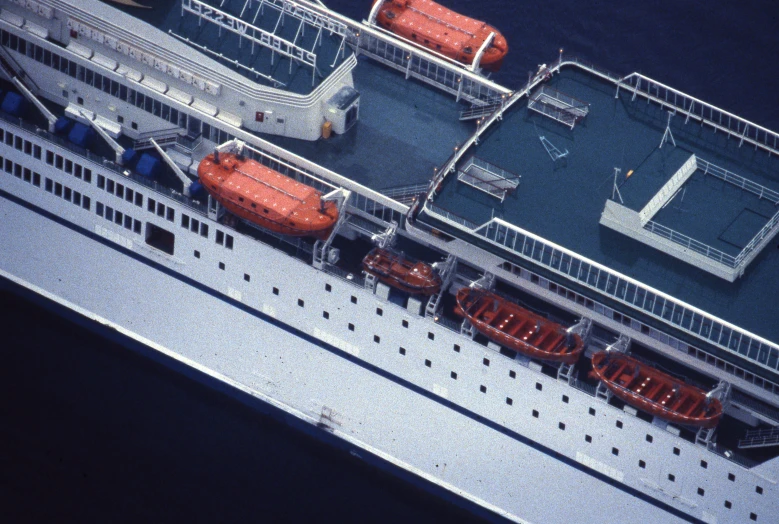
229, 242
119, 190
109, 186
36, 152
138, 199
100, 182
49, 157
160, 209
36, 179
170, 214
86, 202
204, 230
49, 185
128, 194
220, 237
152, 205
185, 221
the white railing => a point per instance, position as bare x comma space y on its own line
691, 107
691, 243
739, 181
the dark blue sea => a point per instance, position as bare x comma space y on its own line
93, 432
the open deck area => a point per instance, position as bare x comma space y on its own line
569, 175
404, 131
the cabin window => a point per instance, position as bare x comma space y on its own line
758, 490
351, 326
325, 315
509, 401
704, 464
642, 464
379, 311
428, 363
701, 491
539, 386
731, 477
427, 41
483, 389
254, 205
535, 413
404, 323
240, 199
513, 374
614, 451
265, 210
752, 516
672, 477
328, 288
354, 299
184, 221
431, 335
377, 339
222, 266
677, 451
588, 439
453, 375
275, 291
728, 504
456, 348
301, 303
649, 438
565, 399
414, 36
619, 424
486, 362
402, 350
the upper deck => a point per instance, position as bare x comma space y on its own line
273, 43
562, 200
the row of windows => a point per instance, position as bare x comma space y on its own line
194, 225
121, 191
118, 218
52, 159
224, 239
23, 173
162, 211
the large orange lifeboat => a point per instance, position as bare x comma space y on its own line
265, 197
396, 270
435, 27
655, 392
515, 327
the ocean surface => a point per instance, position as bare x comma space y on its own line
93, 432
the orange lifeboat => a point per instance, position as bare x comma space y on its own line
397, 271
517, 328
655, 392
435, 27
265, 197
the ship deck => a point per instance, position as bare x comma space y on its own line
405, 130
562, 200
228, 48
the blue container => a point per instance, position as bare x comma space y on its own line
14, 104
62, 125
148, 166
196, 190
129, 157
81, 134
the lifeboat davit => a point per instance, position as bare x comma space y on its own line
265, 197
435, 27
397, 271
655, 392
516, 328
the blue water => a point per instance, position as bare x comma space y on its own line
92, 432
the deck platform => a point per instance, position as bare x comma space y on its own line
562, 201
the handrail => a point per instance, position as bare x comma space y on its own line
691, 243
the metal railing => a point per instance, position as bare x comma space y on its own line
691, 243
691, 107
737, 180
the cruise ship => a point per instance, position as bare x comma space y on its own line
602, 324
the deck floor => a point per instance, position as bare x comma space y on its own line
562, 200
405, 130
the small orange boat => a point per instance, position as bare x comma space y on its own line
655, 392
397, 271
435, 27
517, 328
265, 197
